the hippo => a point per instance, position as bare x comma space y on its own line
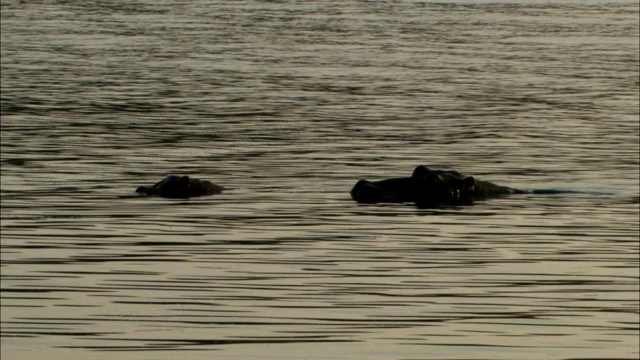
479, 189
423, 187
470, 186
181, 187
436, 187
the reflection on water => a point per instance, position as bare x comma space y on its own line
289, 105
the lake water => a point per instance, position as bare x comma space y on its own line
289, 104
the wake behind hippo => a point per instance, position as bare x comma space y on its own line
181, 187
434, 187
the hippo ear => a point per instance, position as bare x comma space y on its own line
468, 182
184, 181
421, 170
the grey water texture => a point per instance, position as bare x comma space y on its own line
287, 104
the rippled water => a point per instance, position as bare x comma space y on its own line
289, 104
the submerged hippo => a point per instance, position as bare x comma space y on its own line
479, 189
433, 187
424, 187
181, 187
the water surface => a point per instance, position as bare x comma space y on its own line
289, 104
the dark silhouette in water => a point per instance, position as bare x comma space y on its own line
434, 187
181, 187
424, 187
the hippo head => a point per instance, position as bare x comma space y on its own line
443, 186
171, 186
452, 184
424, 187
366, 191
181, 187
